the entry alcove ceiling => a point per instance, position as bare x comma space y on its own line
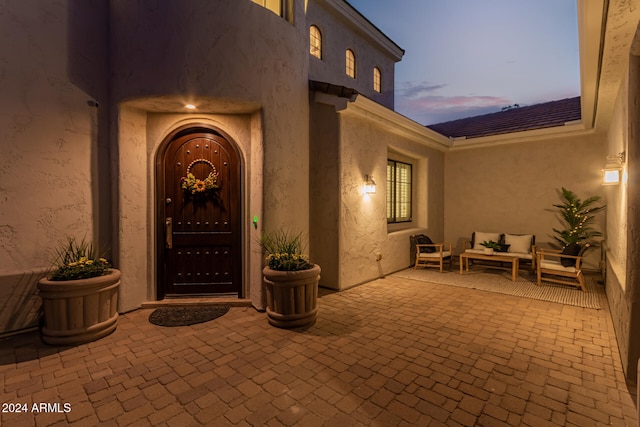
177, 103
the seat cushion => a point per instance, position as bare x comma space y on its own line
512, 254
518, 243
520, 255
434, 255
555, 265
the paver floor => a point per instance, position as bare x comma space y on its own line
393, 352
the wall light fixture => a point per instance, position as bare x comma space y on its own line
369, 185
612, 172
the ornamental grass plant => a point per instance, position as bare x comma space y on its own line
283, 251
78, 260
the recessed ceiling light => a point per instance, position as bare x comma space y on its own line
190, 107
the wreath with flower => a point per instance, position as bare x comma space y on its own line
195, 185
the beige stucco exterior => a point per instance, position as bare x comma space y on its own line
244, 79
511, 188
92, 89
623, 208
349, 234
335, 20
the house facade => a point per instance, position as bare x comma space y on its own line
291, 103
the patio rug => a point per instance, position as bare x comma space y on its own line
186, 315
525, 286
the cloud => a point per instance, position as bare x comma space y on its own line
414, 90
420, 102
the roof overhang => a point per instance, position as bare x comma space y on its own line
591, 30
364, 26
362, 107
568, 130
615, 35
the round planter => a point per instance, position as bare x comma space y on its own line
292, 296
79, 311
488, 251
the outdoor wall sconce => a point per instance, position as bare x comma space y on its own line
612, 172
369, 185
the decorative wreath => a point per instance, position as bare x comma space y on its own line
194, 185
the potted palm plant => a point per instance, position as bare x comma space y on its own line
79, 296
578, 216
290, 279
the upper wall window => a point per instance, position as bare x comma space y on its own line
377, 80
350, 64
315, 42
279, 7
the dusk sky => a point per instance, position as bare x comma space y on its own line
470, 57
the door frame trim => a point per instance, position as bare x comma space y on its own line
159, 178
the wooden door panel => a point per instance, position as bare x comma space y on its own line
205, 257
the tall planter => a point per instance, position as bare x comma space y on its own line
79, 311
292, 296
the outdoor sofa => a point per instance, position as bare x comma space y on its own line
521, 246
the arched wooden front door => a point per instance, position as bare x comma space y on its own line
199, 228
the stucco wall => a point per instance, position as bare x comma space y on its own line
325, 194
338, 35
622, 279
53, 166
616, 195
49, 136
225, 50
364, 149
512, 188
349, 228
248, 78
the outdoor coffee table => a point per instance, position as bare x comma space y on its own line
515, 262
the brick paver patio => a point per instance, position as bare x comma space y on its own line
390, 352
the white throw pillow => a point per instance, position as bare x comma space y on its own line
521, 244
484, 237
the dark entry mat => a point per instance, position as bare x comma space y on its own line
185, 316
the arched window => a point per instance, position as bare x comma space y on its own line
377, 80
315, 42
351, 64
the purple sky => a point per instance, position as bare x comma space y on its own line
470, 57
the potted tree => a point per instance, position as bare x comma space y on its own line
291, 281
79, 296
578, 216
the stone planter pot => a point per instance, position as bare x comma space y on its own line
292, 296
488, 251
79, 311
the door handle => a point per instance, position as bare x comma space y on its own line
168, 231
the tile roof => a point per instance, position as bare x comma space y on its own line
538, 116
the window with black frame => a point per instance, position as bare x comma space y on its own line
399, 177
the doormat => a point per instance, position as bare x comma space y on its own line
186, 315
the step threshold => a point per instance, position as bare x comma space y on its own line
197, 301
